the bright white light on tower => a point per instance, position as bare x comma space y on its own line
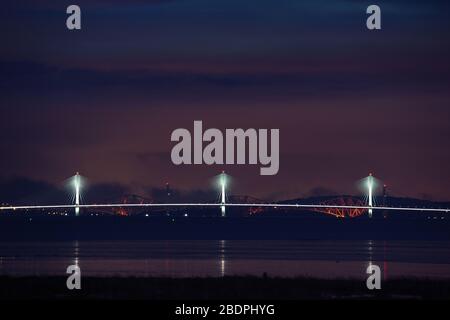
77, 186
370, 191
370, 187
223, 182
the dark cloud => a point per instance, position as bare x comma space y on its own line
320, 192
105, 193
20, 190
44, 79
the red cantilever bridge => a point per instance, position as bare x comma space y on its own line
342, 207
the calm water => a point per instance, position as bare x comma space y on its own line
325, 259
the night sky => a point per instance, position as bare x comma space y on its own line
348, 101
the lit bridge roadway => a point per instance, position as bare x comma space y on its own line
271, 205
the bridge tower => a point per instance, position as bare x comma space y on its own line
370, 191
77, 185
223, 182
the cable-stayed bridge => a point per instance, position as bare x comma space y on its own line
355, 209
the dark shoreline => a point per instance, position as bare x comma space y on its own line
229, 288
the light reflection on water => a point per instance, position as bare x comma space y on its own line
175, 258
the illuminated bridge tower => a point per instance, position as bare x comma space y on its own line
223, 182
77, 185
370, 185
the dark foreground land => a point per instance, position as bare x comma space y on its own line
230, 288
